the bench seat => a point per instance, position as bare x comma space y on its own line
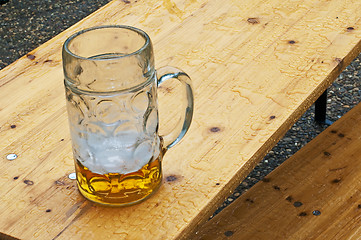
315, 194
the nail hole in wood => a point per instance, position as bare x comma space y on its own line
30, 56
339, 61
60, 183
215, 129
327, 154
228, 233
171, 178
253, 20
337, 180
28, 182
166, 89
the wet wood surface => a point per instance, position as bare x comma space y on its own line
256, 67
316, 194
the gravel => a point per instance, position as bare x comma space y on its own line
26, 24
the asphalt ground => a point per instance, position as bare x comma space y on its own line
26, 24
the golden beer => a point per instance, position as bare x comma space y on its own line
119, 189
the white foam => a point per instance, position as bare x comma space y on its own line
124, 153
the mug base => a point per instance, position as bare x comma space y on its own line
115, 189
114, 202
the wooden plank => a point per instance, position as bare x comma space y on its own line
256, 67
313, 195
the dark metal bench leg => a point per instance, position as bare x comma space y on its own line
320, 109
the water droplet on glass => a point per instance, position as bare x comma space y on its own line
72, 176
11, 156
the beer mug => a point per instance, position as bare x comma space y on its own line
111, 92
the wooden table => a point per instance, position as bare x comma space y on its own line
256, 67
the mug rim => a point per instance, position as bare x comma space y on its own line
134, 29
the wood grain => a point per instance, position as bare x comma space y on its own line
316, 194
256, 67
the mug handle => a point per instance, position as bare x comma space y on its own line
183, 124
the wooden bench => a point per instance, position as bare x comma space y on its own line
316, 194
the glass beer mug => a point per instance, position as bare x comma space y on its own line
111, 92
